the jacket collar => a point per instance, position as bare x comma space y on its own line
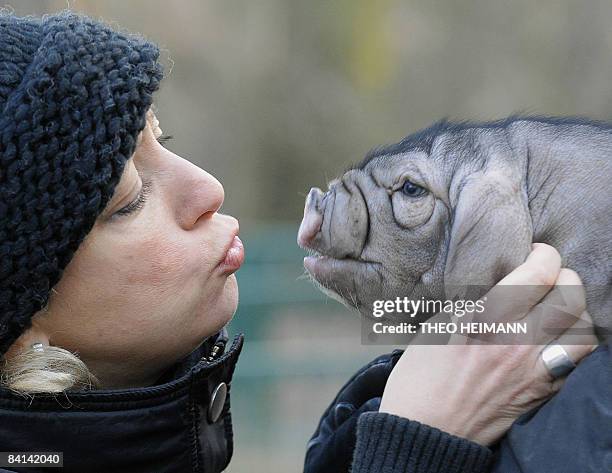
181, 424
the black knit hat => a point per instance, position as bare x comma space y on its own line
73, 99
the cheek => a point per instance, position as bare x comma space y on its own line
132, 297
137, 277
412, 212
158, 263
133, 280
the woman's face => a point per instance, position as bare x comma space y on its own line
145, 288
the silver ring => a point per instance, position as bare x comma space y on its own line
38, 346
557, 361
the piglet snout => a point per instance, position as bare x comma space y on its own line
313, 218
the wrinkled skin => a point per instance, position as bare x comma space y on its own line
459, 205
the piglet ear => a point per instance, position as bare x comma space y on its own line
491, 230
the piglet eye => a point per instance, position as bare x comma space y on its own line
412, 190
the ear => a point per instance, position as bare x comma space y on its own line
491, 230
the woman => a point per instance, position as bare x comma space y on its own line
117, 269
153, 276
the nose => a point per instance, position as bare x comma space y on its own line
313, 218
202, 196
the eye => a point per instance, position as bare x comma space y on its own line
139, 202
412, 190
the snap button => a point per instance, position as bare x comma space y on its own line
217, 401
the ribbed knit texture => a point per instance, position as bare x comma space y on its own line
73, 98
391, 444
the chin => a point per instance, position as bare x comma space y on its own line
226, 305
230, 296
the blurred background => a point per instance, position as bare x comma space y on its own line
275, 96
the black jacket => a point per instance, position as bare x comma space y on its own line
571, 433
182, 424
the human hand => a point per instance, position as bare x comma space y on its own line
476, 390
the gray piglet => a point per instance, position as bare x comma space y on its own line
459, 204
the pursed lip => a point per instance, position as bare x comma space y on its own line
232, 256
